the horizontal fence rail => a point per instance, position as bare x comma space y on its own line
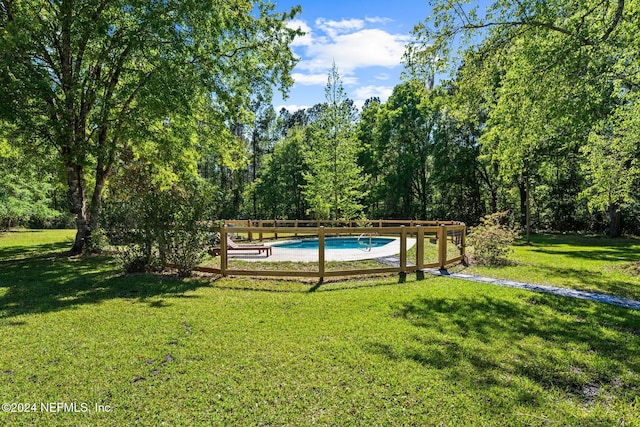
334, 223
444, 241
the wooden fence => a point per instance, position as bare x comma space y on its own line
331, 223
443, 234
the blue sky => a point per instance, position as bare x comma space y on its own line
366, 39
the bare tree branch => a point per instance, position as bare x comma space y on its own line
616, 20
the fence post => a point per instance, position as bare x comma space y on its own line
403, 254
249, 224
321, 253
463, 244
442, 246
420, 253
223, 250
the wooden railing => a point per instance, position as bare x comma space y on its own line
443, 234
307, 223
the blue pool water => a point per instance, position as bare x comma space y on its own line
337, 243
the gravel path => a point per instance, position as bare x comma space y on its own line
555, 290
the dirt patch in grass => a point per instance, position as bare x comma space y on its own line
631, 268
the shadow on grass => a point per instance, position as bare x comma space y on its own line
12, 252
596, 248
610, 253
594, 281
42, 278
574, 348
301, 286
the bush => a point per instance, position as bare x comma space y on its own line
489, 243
133, 259
154, 227
186, 249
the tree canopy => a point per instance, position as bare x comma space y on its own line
549, 74
154, 79
334, 183
539, 116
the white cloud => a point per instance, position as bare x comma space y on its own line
310, 79
305, 40
292, 108
335, 28
365, 92
321, 79
353, 45
363, 48
378, 20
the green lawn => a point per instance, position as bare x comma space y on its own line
589, 263
239, 351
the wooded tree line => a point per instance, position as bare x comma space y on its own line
103, 85
540, 115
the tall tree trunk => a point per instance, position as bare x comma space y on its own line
614, 220
78, 205
95, 209
528, 209
523, 203
254, 174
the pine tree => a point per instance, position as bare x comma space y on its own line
335, 181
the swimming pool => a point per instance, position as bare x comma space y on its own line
364, 242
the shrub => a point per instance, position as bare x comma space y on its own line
489, 243
186, 249
133, 259
154, 226
99, 241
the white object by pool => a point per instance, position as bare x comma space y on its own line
336, 249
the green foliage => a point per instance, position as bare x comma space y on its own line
99, 241
99, 81
612, 163
186, 248
279, 189
539, 76
26, 187
335, 182
420, 156
408, 132
490, 242
133, 258
154, 226
25, 198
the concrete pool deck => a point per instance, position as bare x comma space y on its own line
311, 255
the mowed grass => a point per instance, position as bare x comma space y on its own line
241, 351
591, 263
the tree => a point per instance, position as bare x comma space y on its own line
27, 184
558, 66
370, 156
335, 182
613, 164
25, 190
406, 129
279, 188
264, 134
457, 176
97, 78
